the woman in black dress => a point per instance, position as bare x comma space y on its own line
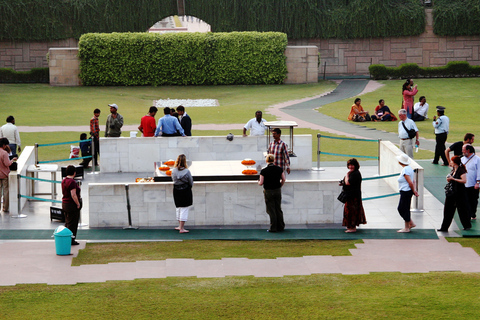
458, 199
182, 191
353, 213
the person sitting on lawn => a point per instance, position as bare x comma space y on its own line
357, 113
383, 113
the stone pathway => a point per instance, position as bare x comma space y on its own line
36, 262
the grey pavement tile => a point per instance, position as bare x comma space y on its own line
321, 264
293, 266
237, 267
210, 268
180, 268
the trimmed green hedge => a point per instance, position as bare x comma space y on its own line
343, 19
28, 20
134, 59
412, 70
35, 75
456, 17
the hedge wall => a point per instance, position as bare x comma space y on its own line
29, 20
342, 19
60, 19
35, 75
456, 17
412, 70
134, 59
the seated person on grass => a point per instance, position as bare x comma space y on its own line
383, 113
357, 113
85, 148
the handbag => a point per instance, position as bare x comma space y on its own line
411, 132
449, 189
342, 197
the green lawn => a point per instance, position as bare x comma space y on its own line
96, 253
459, 96
436, 295
43, 105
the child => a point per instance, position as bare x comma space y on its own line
85, 147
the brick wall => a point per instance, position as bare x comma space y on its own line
64, 67
354, 56
23, 56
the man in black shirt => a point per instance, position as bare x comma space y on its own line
457, 146
272, 178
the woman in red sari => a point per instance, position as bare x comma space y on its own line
353, 213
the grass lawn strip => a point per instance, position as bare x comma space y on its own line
443, 295
98, 253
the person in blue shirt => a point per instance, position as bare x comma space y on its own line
168, 126
407, 189
85, 148
441, 125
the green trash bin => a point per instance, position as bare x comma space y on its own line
63, 240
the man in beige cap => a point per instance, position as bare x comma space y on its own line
114, 122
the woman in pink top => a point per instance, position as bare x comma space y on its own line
408, 94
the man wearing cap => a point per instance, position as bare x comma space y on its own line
114, 122
406, 143
441, 125
472, 163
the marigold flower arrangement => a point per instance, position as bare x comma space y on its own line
248, 162
169, 163
249, 171
163, 168
168, 173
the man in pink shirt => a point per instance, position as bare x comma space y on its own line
147, 123
5, 164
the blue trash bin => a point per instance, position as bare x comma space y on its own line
63, 240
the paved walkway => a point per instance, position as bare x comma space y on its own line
35, 262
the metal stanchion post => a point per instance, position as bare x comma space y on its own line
416, 209
128, 209
36, 154
379, 140
318, 154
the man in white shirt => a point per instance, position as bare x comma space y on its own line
10, 131
420, 109
406, 143
472, 163
256, 125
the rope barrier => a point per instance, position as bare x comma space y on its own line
347, 155
381, 177
384, 196
38, 179
39, 199
69, 159
353, 139
60, 143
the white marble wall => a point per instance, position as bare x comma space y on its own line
139, 154
389, 165
215, 203
26, 159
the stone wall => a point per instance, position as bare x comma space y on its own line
214, 203
139, 154
302, 64
64, 67
23, 56
354, 56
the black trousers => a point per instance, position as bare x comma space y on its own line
453, 203
72, 215
440, 139
273, 202
404, 205
472, 196
96, 151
